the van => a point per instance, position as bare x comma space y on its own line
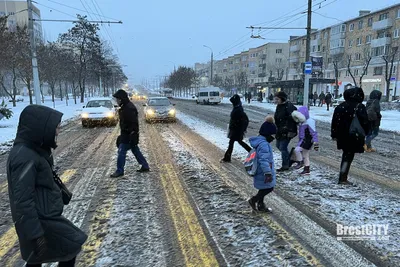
209, 95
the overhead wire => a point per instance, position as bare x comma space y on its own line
54, 9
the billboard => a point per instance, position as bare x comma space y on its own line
317, 63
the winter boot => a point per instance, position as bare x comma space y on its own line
116, 175
225, 160
143, 170
306, 171
365, 148
343, 179
299, 165
261, 207
252, 203
283, 169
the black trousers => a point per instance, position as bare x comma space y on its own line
347, 159
70, 263
262, 193
228, 153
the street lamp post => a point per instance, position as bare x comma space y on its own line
212, 56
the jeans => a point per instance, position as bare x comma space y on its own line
347, 159
282, 145
70, 263
372, 134
122, 150
262, 193
228, 153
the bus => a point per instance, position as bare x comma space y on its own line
167, 92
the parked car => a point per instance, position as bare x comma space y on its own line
100, 111
159, 109
18, 98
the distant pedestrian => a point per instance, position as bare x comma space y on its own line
310, 98
249, 96
342, 119
299, 98
129, 138
36, 201
321, 99
271, 98
308, 138
328, 100
237, 127
315, 98
374, 117
265, 177
287, 127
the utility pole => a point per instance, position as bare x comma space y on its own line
35, 69
307, 75
212, 64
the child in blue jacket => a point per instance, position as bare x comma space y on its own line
265, 177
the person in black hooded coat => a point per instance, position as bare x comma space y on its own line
129, 138
340, 129
237, 127
35, 199
374, 117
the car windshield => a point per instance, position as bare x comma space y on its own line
159, 102
99, 103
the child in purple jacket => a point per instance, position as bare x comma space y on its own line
308, 137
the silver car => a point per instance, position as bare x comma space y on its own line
159, 109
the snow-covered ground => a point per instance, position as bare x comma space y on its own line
390, 118
8, 128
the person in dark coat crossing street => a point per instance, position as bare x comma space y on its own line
328, 100
374, 117
287, 127
237, 127
36, 202
340, 129
129, 137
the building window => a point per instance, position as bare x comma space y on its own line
323, 49
378, 70
396, 33
368, 39
358, 56
328, 75
370, 22
330, 60
319, 48
398, 13
359, 41
279, 51
356, 72
351, 27
278, 60
347, 73
383, 16
350, 43
360, 24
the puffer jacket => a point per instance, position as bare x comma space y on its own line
35, 199
307, 130
287, 127
265, 162
374, 109
342, 118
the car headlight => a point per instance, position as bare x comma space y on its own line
110, 114
172, 112
150, 112
85, 115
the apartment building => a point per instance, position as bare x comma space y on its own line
353, 43
17, 12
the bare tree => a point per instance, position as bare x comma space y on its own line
337, 61
366, 58
389, 59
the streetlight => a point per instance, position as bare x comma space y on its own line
212, 55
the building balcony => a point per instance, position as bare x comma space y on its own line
294, 60
294, 48
340, 35
316, 54
383, 24
262, 75
337, 51
381, 42
316, 42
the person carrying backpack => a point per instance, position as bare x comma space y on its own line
308, 137
237, 127
374, 117
265, 176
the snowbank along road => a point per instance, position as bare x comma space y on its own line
190, 210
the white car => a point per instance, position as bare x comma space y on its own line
337, 102
100, 111
159, 109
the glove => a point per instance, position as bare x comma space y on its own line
316, 146
40, 246
268, 178
297, 149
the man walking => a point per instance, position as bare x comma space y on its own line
315, 98
328, 100
129, 138
321, 99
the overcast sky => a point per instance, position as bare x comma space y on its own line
156, 34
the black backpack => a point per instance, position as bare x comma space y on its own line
245, 121
356, 132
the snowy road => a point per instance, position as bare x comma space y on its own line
191, 210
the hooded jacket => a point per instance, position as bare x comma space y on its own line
265, 162
287, 127
35, 199
374, 109
239, 121
128, 119
307, 130
342, 118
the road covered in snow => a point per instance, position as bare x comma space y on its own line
191, 210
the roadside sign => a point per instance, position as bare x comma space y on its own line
393, 79
307, 68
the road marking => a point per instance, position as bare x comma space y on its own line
9, 239
192, 239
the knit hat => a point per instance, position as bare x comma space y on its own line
282, 95
268, 127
